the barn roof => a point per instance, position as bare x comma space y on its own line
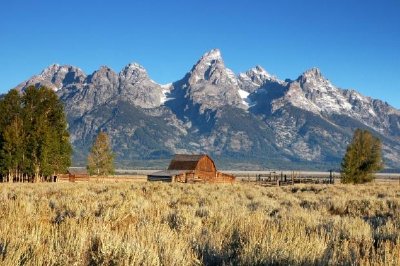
78, 171
185, 161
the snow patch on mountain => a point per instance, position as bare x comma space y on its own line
166, 89
244, 95
231, 76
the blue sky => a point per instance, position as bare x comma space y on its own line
356, 44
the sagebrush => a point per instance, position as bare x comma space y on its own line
183, 224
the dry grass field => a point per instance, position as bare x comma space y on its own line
183, 224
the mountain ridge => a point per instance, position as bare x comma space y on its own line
301, 123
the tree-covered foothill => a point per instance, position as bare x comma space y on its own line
363, 157
34, 141
100, 160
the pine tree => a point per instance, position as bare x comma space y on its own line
363, 157
100, 160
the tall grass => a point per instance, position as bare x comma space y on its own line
181, 224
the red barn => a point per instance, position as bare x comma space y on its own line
191, 168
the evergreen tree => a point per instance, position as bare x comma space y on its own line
100, 160
363, 158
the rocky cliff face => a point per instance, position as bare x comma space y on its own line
251, 120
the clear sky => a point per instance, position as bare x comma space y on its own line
356, 44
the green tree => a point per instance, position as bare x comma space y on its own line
363, 157
100, 160
48, 143
10, 133
13, 149
10, 107
34, 139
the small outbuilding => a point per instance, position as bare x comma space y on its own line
76, 174
187, 168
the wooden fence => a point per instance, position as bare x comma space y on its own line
280, 179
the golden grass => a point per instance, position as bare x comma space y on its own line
183, 224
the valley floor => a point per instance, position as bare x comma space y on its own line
184, 224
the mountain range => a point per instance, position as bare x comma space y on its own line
252, 120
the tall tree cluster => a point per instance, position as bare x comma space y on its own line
363, 157
34, 140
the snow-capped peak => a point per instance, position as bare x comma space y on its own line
135, 66
259, 70
211, 67
211, 56
133, 73
255, 78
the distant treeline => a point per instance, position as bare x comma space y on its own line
34, 141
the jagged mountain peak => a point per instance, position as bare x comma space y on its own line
254, 78
60, 70
211, 68
211, 59
312, 74
314, 71
133, 72
311, 91
259, 70
212, 56
209, 84
50, 69
134, 67
104, 68
104, 75
258, 75
55, 76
